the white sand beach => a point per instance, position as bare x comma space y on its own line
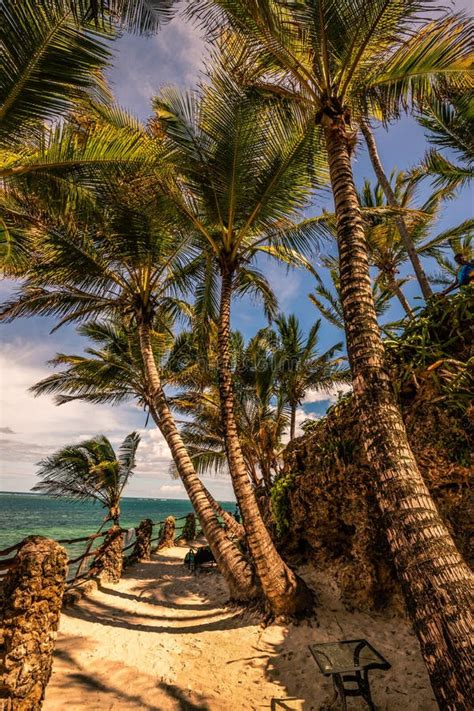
164, 640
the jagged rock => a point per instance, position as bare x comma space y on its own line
142, 547
108, 562
30, 609
167, 533
189, 529
331, 513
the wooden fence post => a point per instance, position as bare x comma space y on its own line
30, 610
189, 530
108, 562
167, 533
142, 548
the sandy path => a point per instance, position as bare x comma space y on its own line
163, 640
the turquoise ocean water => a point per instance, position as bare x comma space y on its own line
23, 515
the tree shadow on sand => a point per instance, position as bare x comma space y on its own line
109, 683
165, 583
97, 611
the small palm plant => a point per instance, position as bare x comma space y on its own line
327, 297
90, 471
301, 366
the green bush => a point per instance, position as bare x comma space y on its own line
279, 501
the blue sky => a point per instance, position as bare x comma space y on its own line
32, 428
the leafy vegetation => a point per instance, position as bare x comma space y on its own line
90, 471
280, 503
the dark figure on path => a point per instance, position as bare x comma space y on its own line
237, 514
464, 275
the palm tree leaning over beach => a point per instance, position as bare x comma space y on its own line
258, 408
111, 372
130, 263
341, 62
243, 173
90, 471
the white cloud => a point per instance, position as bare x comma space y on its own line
39, 419
32, 428
328, 394
171, 489
285, 283
40, 427
301, 416
142, 65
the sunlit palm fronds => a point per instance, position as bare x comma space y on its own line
90, 470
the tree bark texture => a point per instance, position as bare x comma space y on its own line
436, 582
285, 592
399, 221
292, 422
236, 570
142, 548
108, 562
396, 289
30, 610
189, 529
232, 526
167, 533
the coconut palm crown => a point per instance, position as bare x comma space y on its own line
90, 471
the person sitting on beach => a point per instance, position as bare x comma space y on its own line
464, 275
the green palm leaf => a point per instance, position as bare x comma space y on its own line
50, 61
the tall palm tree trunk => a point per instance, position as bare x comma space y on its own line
232, 563
395, 289
436, 582
392, 201
233, 527
286, 592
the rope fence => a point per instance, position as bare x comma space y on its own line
52, 576
7, 563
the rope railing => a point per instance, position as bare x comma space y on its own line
68, 541
14, 547
83, 539
7, 563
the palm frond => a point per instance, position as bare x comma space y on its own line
50, 61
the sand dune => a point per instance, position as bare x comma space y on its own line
164, 640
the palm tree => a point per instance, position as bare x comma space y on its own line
342, 62
111, 373
327, 297
55, 53
241, 178
387, 249
132, 265
259, 413
144, 16
90, 471
400, 221
449, 121
301, 366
